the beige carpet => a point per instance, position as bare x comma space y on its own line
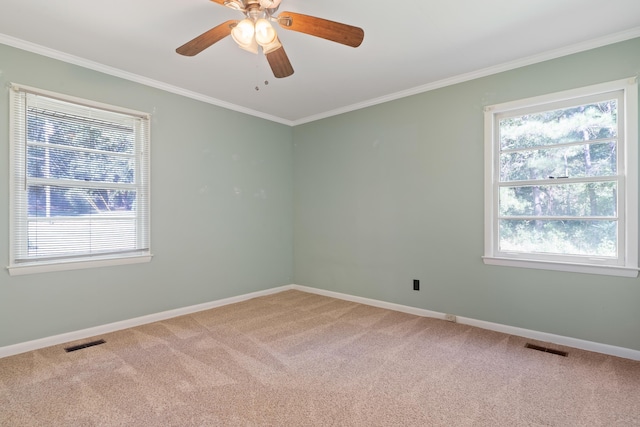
299, 359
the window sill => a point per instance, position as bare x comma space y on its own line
606, 270
33, 268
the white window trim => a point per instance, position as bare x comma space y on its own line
42, 267
628, 266
15, 269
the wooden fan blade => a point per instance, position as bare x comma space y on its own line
279, 63
323, 28
220, 2
205, 40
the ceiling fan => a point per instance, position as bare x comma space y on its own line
256, 31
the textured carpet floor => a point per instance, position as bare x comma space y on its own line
299, 359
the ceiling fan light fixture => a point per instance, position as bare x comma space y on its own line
243, 35
250, 47
265, 33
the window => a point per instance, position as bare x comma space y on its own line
561, 181
79, 183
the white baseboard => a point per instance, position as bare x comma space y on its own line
611, 350
124, 324
116, 326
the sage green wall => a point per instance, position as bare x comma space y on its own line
382, 196
394, 192
221, 201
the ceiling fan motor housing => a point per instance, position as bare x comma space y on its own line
249, 6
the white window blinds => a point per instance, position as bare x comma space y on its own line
79, 180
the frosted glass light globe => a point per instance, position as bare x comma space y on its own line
265, 33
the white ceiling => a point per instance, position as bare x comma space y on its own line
409, 46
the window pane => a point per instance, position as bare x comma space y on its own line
47, 162
575, 161
566, 237
580, 123
580, 199
49, 201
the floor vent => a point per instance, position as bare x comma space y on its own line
547, 350
85, 345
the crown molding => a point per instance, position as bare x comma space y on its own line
461, 78
507, 66
116, 72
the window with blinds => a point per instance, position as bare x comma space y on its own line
79, 183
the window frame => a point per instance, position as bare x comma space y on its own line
19, 214
626, 264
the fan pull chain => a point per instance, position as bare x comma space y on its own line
259, 70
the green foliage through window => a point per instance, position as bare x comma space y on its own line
558, 187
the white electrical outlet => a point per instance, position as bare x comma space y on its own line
450, 317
